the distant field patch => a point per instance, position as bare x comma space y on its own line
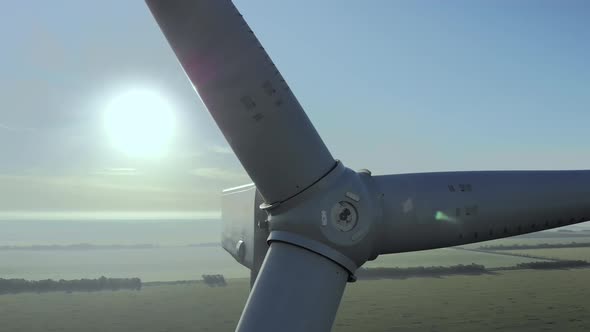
560, 253
530, 241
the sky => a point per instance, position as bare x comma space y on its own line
392, 86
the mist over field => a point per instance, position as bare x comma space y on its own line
500, 299
170, 250
160, 232
151, 250
497, 297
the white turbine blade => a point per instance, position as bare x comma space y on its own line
296, 290
246, 95
435, 210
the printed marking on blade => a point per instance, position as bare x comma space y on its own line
324, 218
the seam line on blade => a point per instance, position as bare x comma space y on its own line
267, 206
351, 265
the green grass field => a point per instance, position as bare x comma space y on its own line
510, 301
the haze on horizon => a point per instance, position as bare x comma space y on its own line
395, 87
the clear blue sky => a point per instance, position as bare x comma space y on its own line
393, 86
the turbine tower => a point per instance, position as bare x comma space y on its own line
308, 222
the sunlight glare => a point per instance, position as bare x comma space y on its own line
140, 123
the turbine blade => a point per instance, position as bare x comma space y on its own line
296, 290
435, 210
246, 95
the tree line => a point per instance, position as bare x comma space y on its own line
471, 269
13, 286
398, 272
213, 280
536, 246
81, 246
553, 265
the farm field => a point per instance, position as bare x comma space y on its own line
559, 253
508, 301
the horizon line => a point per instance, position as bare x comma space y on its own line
107, 215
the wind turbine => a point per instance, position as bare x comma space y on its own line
317, 220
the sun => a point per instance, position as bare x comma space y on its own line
140, 123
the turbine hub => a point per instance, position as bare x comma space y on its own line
344, 216
336, 218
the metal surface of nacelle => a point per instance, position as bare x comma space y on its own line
244, 233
